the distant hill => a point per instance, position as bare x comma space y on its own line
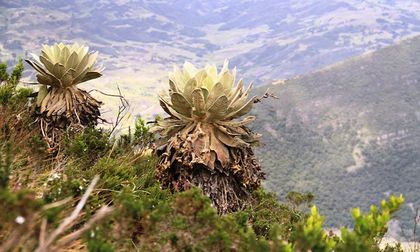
266, 39
139, 41
349, 133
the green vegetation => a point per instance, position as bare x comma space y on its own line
368, 230
8, 83
40, 193
349, 134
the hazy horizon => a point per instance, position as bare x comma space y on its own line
140, 41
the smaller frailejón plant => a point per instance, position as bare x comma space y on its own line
203, 144
60, 103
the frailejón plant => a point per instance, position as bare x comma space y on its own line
60, 102
203, 142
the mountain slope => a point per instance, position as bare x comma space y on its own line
139, 41
349, 133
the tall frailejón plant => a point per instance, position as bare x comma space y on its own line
60, 103
205, 144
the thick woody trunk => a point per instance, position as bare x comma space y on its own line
228, 187
66, 109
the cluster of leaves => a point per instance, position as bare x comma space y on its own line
368, 231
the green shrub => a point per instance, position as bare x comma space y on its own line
140, 139
266, 212
8, 84
3, 72
368, 230
87, 146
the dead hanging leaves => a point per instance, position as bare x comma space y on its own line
202, 155
66, 109
69, 106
